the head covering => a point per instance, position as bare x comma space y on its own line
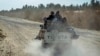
52, 13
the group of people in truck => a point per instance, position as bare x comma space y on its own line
47, 22
51, 17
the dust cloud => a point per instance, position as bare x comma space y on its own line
60, 40
58, 48
35, 49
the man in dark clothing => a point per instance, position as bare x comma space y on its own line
48, 19
51, 16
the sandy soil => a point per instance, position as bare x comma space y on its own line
20, 32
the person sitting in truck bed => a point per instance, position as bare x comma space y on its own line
48, 19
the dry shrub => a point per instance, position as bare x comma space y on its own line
87, 18
2, 37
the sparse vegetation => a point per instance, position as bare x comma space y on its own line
82, 16
1, 35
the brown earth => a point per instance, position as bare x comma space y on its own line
19, 32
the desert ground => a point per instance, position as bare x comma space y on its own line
19, 32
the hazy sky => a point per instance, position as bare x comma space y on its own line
8, 4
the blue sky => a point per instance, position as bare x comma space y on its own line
8, 4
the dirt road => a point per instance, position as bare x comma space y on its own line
19, 32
